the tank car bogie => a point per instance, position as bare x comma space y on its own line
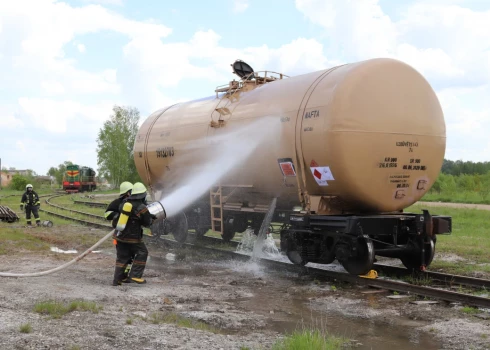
354, 240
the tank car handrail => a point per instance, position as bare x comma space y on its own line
255, 77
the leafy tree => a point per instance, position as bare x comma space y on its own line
59, 171
115, 146
18, 182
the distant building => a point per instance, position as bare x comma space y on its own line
8, 174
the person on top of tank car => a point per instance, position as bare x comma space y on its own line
134, 215
112, 213
30, 200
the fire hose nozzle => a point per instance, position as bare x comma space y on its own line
157, 209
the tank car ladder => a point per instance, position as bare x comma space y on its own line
216, 201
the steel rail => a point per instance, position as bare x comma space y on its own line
74, 211
392, 285
92, 204
398, 286
448, 279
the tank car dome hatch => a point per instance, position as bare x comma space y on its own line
242, 69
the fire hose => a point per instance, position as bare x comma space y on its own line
156, 209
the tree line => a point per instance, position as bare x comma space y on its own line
460, 167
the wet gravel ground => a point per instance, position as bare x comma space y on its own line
242, 305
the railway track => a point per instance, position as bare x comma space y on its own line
382, 282
92, 204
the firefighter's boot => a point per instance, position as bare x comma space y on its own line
138, 280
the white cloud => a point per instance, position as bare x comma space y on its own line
240, 5
58, 116
105, 2
10, 122
149, 67
447, 43
35, 42
20, 146
353, 28
53, 87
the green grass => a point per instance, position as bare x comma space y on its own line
25, 328
57, 309
419, 281
470, 310
13, 240
180, 321
457, 197
309, 340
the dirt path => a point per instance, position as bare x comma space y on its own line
456, 205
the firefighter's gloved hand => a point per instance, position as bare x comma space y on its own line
22, 207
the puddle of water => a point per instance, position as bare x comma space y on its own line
293, 312
296, 313
71, 251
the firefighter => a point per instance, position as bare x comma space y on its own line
30, 200
134, 215
112, 213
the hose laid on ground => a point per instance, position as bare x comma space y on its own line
80, 257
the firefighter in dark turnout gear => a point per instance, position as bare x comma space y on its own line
112, 213
134, 215
30, 200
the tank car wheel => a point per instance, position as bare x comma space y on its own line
228, 232
363, 261
413, 261
179, 227
294, 253
295, 257
239, 224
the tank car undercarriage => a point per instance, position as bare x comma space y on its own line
355, 240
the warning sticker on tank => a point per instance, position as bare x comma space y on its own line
287, 167
322, 174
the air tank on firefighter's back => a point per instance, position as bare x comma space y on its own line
362, 137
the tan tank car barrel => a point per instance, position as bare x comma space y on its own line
343, 151
368, 136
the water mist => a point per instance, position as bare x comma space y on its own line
231, 145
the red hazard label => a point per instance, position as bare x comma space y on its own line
287, 169
313, 164
317, 174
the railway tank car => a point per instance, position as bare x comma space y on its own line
349, 149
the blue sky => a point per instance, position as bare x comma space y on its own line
64, 64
